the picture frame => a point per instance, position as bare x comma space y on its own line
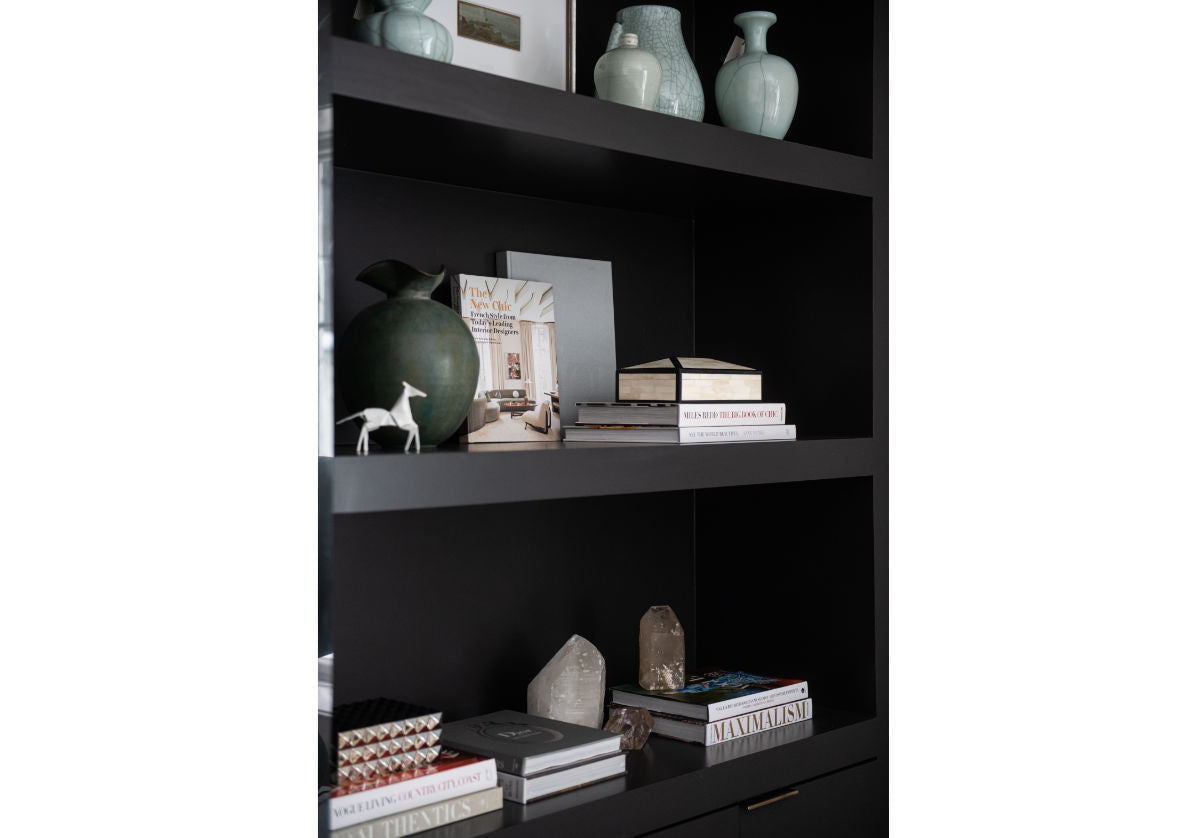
527, 40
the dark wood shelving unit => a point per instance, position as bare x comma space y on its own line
467, 476
447, 116
450, 577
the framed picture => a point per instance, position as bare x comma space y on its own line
527, 40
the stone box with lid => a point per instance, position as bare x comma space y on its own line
679, 379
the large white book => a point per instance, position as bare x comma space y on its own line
681, 436
426, 817
449, 776
735, 727
685, 415
536, 786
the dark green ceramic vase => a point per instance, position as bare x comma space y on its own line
408, 337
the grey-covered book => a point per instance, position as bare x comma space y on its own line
523, 744
583, 304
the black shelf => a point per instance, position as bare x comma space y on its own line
402, 115
670, 781
722, 244
387, 482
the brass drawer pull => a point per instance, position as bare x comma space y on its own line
750, 807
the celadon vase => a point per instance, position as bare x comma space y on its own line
402, 25
658, 30
757, 92
628, 75
408, 337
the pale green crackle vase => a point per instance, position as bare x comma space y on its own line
658, 30
402, 25
628, 75
757, 92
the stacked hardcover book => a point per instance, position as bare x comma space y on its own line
717, 706
683, 400
393, 778
538, 757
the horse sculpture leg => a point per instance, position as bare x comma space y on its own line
363, 443
414, 436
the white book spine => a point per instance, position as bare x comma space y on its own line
741, 433
757, 701
756, 722
426, 817
719, 415
349, 809
513, 786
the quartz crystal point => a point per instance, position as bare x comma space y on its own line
660, 648
570, 687
633, 723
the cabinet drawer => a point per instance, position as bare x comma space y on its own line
851, 803
721, 824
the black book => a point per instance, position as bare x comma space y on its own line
525, 745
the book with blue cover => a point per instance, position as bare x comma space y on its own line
715, 695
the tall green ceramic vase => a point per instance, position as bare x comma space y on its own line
757, 92
408, 337
402, 25
659, 31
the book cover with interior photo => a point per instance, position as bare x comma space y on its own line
513, 324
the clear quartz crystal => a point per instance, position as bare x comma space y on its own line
633, 723
570, 687
660, 648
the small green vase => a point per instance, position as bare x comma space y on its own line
408, 337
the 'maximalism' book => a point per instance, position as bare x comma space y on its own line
427, 817
714, 695
735, 727
513, 324
681, 415
449, 776
523, 744
680, 436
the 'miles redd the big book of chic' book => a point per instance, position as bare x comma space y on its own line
714, 695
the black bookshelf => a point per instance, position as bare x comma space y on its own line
774, 555
467, 476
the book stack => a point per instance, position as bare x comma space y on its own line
683, 400
720, 705
393, 778
674, 422
538, 757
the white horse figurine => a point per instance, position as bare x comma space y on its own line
400, 416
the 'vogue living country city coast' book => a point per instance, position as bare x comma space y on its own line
513, 324
451, 775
